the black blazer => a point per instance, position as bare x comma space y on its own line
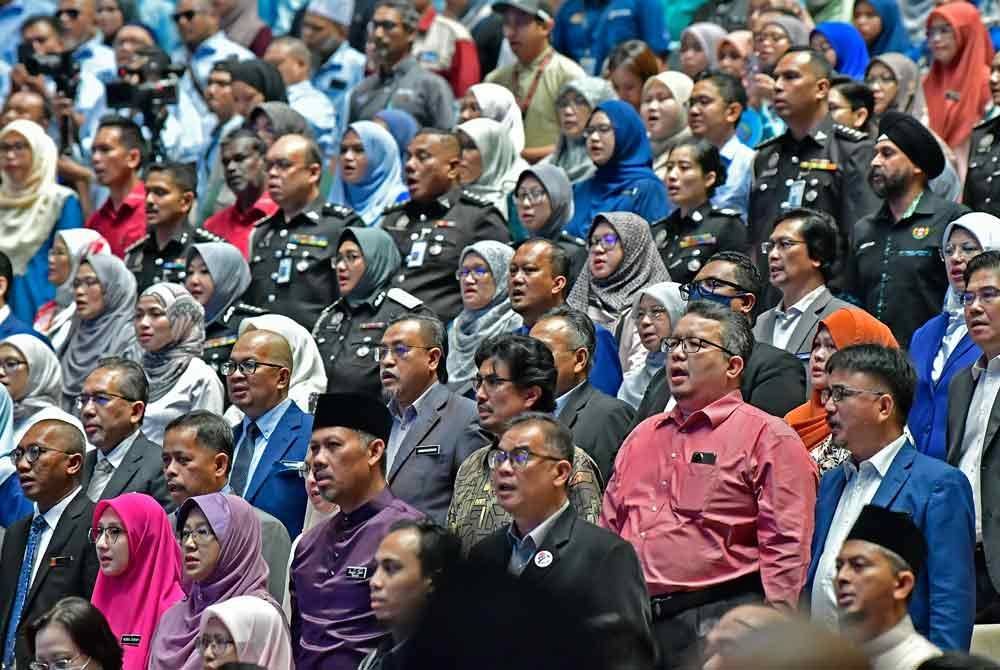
68, 568
599, 424
141, 471
773, 381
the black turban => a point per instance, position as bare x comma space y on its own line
914, 140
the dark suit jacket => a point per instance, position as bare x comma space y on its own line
68, 567
141, 471
773, 381
599, 424
593, 571
277, 486
939, 499
800, 343
444, 434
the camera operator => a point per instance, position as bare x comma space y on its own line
80, 35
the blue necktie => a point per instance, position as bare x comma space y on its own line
241, 468
23, 583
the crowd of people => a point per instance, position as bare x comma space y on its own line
371, 334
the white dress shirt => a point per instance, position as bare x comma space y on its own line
52, 519
976, 421
786, 321
862, 484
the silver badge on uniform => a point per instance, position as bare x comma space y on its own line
363, 351
694, 265
811, 196
336, 319
302, 266
772, 161
986, 142
435, 250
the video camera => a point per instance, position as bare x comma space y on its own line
148, 85
61, 67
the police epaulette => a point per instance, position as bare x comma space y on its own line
395, 206
244, 308
572, 238
207, 235
849, 133
403, 298
337, 210
767, 142
726, 211
986, 122
475, 199
135, 245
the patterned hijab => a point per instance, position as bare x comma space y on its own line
230, 275
497, 102
44, 376
571, 152
187, 328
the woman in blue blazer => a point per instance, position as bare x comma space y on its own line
942, 346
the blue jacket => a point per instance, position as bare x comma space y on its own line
928, 420
588, 31
277, 487
939, 498
14, 326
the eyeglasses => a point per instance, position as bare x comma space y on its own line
939, 31
32, 453
202, 535
783, 244
533, 197
519, 457
654, 313
11, 365
112, 533
86, 282
872, 82
773, 37
572, 101
14, 147
61, 664
492, 382
398, 350
348, 259
987, 296
246, 367
708, 285
72, 14
690, 345
216, 643
186, 15
101, 399
605, 242
603, 129
837, 393
967, 250
478, 273
281, 165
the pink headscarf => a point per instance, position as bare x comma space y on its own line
134, 601
257, 629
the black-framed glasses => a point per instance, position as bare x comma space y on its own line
606, 242
73, 14
492, 382
32, 453
838, 392
202, 535
111, 532
986, 295
246, 367
187, 15
534, 196
782, 244
690, 345
518, 457
708, 285
398, 350
100, 399
61, 664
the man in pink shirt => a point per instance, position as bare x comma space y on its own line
117, 156
716, 496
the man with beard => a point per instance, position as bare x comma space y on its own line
325, 28
896, 270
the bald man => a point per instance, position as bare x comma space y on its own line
272, 438
46, 555
724, 639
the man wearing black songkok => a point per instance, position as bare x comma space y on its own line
876, 571
895, 270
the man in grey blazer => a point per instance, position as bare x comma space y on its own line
801, 255
433, 429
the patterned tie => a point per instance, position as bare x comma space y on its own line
99, 480
241, 467
23, 583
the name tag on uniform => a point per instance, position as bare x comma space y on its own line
131, 640
356, 572
795, 192
417, 253
429, 450
284, 271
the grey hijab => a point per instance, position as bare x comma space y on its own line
470, 328
44, 376
560, 191
500, 160
798, 34
909, 93
571, 154
382, 260
230, 274
187, 327
636, 380
284, 119
110, 333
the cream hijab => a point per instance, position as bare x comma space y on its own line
257, 629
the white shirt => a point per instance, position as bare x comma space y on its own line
52, 519
786, 321
4, 313
862, 484
953, 334
899, 648
198, 388
976, 421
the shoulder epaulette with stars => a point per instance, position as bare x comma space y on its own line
849, 133
244, 308
337, 210
135, 245
207, 236
768, 142
566, 237
475, 199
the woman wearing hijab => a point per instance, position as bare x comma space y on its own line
655, 311
217, 277
881, 26
30, 371
663, 110
843, 47
489, 164
544, 200
140, 570
895, 83
624, 179
221, 545
170, 329
733, 53
241, 23
778, 33
574, 105
486, 310
401, 125
104, 291
370, 175
492, 101
255, 82
349, 331
271, 120
32, 208
942, 346
957, 88
54, 318
257, 633
843, 328
699, 43
623, 260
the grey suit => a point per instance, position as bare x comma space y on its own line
599, 424
444, 434
141, 471
800, 343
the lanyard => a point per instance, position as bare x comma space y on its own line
525, 102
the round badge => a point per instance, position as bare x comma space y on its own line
986, 142
414, 237
283, 233
302, 266
435, 250
363, 351
543, 559
694, 265
661, 238
811, 196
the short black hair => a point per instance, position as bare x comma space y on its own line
737, 334
445, 136
558, 258
817, 61
134, 384
747, 274
440, 549
889, 365
558, 438
857, 94
7, 272
86, 626
530, 363
128, 131
244, 133
581, 326
211, 431
730, 88
708, 158
48, 19
821, 234
434, 334
988, 260
184, 175
47, 110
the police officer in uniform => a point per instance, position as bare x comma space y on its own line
440, 219
221, 334
896, 271
291, 252
982, 182
161, 256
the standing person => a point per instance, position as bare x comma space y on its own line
338, 67
980, 194
212, 191
537, 75
665, 99
370, 174
245, 630
118, 153
73, 628
574, 104
843, 46
81, 37
240, 20
894, 80
30, 371
589, 33
489, 164
881, 26
631, 65
445, 47
493, 101
293, 61
656, 311
699, 48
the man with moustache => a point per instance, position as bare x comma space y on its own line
117, 156
981, 193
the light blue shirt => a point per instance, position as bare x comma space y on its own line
182, 134
96, 59
342, 71
308, 101
561, 400
208, 53
401, 424
158, 15
279, 14
735, 193
12, 16
266, 423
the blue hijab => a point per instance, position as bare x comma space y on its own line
382, 184
893, 36
849, 45
627, 181
402, 126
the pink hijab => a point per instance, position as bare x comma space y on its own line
134, 601
258, 630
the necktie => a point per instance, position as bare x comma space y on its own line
99, 480
38, 526
523, 551
241, 467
